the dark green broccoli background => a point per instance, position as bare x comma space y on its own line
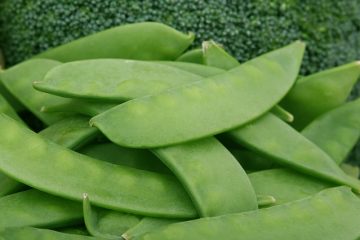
247, 28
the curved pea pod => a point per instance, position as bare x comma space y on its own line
38, 209
217, 104
6, 108
18, 80
192, 56
141, 41
213, 178
80, 106
147, 224
329, 215
112, 79
113, 224
198, 69
320, 92
214, 55
131, 157
336, 131
71, 132
278, 141
30, 233
286, 185
123, 188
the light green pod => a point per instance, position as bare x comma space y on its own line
30, 233
286, 185
214, 179
112, 79
6, 108
206, 107
141, 41
198, 69
109, 224
336, 131
350, 170
192, 56
38, 209
70, 174
80, 106
214, 55
18, 80
320, 92
332, 214
278, 141
137, 158
146, 225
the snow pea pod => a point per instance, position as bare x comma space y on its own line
6, 108
213, 178
18, 80
198, 69
131, 157
286, 185
141, 41
320, 92
141, 192
192, 56
215, 56
38, 209
329, 215
106, 227
278, 141
112, 79
218, 104
30, 233
336, 131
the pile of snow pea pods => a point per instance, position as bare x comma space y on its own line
145, 139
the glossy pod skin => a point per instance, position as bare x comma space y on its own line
114, 80
213, 178
141, 41
18, 80
269, 75
336, 131
278, 141
38, 209
192, 56
320, 92
30, 233
108, 225
332, 214
141, 192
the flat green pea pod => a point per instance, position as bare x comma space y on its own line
217, 104
198, 69
122, 188
192, 56
112, 79
104, 226
71, 132
18, 80
286, 185
252, 161
80, 106
336, 131
38, 209
137, 158
320, 92
147, 224
214, 55
140, 41
6, 108
350, 170
30, 233
78, 230
332, 214
214, 179
281, 143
